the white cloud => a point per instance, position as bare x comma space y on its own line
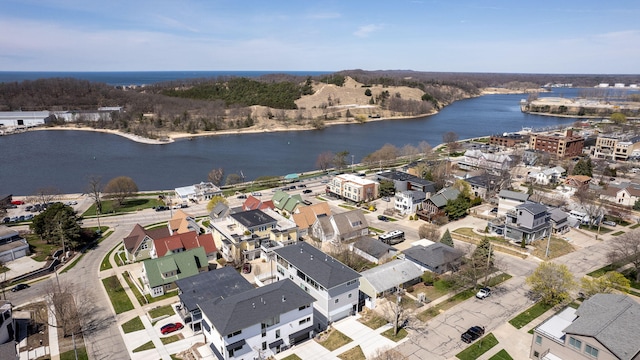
366, 30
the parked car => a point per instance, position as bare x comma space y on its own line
609, 223
17, 202
171, 327
256, 193
494, 210
302, 186
243, 196
292, 187
28, 217
307, 191
383, 218
473, 334
485, 292
20, 287
386, 198
72, 202
6, 220
162, 208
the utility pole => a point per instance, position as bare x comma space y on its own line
486, 272
546, 254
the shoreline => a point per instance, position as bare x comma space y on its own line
174, 136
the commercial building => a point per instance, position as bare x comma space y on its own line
561, 146
352, 187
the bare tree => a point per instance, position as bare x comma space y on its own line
394, 311
73, 308
216, 176
94, 189
45, 195
451, 139
121, 188
388, 354
425, 148
429, 231
626, 249
324, 160
410, 151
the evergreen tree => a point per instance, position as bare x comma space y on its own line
483, 253
446, 239
458, 207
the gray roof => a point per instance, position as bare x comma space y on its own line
322, 268
441, 198
251, 307
219, 283
434, 255
253, 218
613, 320
534, 208
349, 221
391, 274
513, 195
373, 247
557, 215
483, 180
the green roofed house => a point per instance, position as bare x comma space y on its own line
286, 203
159, 275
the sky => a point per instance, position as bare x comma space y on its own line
505, 36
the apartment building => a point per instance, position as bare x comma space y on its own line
561, 146
352, 187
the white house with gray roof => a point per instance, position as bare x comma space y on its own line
257, 323
606, 326
333, 284
385, 279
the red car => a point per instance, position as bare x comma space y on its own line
17, 202
171, 327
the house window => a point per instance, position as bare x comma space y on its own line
536, 354
350, 296
538, 339
304, 320
575, 343
234, 334
278, 334
337, 300
303, 307
264, 345
591, 351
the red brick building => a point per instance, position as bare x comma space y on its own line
561, 146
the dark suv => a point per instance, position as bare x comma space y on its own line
473, 334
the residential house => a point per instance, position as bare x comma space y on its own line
199, 192
353, 188
160, 274
556, 144
249, 235
559, 220
434, 206
207, 286
605, 326
254, 203
625, 194
408, 202
579, 182
437, 257
340, 228
286, 203
529, 222
306, 216
333, 284
258, 323
484, 186
139, 242
385, 279
373, 250
508, 200
403, 181
182, 242
547, 176
7, 332
531, 157
219, 211
181, 222
476, 159
12, 245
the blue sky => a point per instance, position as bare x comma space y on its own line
586, 36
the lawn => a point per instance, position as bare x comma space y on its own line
127, 277
146, 346
117, 295
617, 233
603, 270
557, 248
39, 248
373, 321
161, 311
449, 303
635, 226
402, 333
501, 355
71, 354
292, 357
132, 325
170, 339
74, 263
528, 315
353, 354
106, 264
498, 279
170, 294
478, 348
131, 204
335, 340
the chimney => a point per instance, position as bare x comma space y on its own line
569, 133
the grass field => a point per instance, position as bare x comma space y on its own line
528, 315
118, 297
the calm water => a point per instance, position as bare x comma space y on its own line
66, 159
